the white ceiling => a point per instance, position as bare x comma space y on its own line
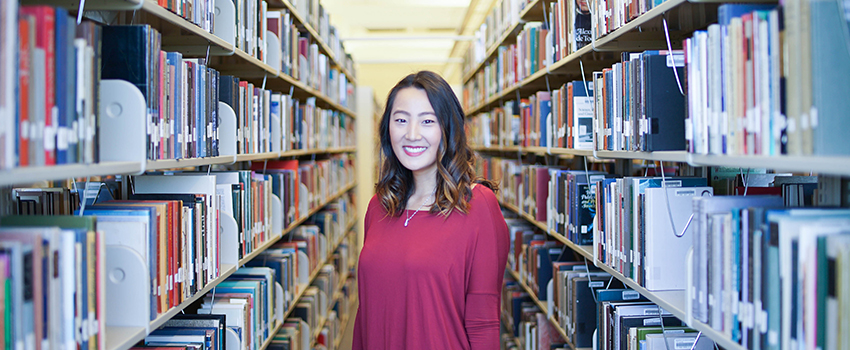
405, 31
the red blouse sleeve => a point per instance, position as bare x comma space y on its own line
483, 291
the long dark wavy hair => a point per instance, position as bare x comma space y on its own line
455, 174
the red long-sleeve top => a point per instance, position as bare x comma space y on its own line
435, 284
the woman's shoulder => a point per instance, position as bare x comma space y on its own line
484, 200
482, 192
375, 204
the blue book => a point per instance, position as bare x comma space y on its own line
65, 78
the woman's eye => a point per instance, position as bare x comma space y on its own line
400, 120
428, 121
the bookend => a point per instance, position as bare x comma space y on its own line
232, 339
122, 123
273, 51
229, 240
226, 130
303, 271
275, 134
127, 289
225, 21
277, 217
280, 301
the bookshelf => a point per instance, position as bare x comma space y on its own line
349, 317
119, 338
671, 301
632, 36
300, 293
532, 11
182, 36
485, 93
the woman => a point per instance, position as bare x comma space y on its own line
436, 244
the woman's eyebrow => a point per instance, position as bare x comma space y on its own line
397, 111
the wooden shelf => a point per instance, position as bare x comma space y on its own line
839, 166
672, 301
179, 34
28, 175
187, 162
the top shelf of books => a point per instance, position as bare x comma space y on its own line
541, 30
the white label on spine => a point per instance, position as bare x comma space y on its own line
682, 344
49, 138
25, 129
630, 295
62, 139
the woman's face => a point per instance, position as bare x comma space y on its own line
415, 133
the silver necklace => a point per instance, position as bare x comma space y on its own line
417, 210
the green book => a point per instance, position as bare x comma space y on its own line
87, 223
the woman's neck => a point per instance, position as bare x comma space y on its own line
425, 185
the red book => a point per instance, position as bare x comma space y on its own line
45, 39
542, 189
25, 42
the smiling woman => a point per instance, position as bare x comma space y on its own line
431, 281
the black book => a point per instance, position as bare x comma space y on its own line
129, 57
665, 105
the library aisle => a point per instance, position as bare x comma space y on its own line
194, 174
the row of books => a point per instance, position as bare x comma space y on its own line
594, 311
304, 185
504, 15
52, 118
171, 222
773, 274
247, 307
199, 12
53, 282
181, 94
319, 19
50, 95
528, 327
638, 105
269, 121
512, 64
725, 95
570, 124
741, 244
736, 101
301, 59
